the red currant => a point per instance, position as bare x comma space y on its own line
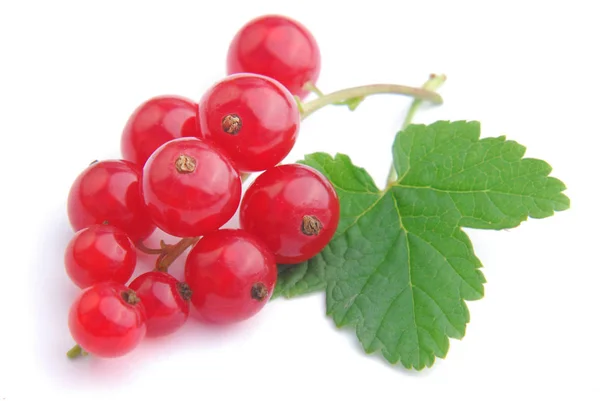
155, 122
100, 253
107, 320
253, 118
231, 274
110, 191
277, 47
294, 209
190, 188
165, 300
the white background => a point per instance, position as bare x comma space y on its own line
70, 74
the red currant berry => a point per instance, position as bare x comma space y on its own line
100, 253
107, 320
231, 275
277, 47
190, 188
165, 300
254, 119
110, 191
157, 121
293, 209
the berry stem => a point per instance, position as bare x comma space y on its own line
245, 176
432, 84
342, 96
167, 253
76, 352
150, 251
173, 252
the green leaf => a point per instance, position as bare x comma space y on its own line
400, 267
487, 180
301, 279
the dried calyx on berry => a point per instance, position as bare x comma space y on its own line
231, 124
259, 292
311, 225
130, 297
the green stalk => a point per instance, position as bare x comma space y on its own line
433, 83
360, 92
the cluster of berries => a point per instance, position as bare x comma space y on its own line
182, 171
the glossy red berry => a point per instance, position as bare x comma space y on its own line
165, 300
190, 188
155, 122
277, 47
107, 320
100, 253
109, 191
294, 209
231, 274
253, 118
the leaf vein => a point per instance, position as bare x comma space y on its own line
368, 280
458, 329
448, 262
409, 268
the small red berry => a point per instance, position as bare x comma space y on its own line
277, 47
253, 118
107, 320
155, 122
231, 274
165, 300
294, 209
109, 191
190, 188
100, 253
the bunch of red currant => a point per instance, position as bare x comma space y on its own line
182, 171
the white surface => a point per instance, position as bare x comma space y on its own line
71, 72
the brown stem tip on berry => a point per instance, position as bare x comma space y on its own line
185, 164
130, 297
184, 290
232, 124
259, 292
311, 225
